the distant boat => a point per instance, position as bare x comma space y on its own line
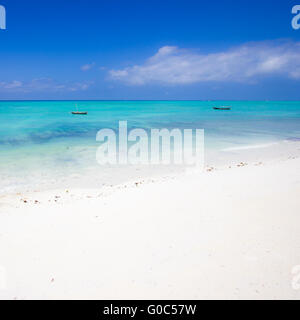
222, 108
79, 112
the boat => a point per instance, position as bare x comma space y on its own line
222, 108
79, 112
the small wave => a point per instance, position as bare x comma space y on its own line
9, 189
293, 139
255, 146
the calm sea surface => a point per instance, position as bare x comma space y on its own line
37, 137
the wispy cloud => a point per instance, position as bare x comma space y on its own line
43, 84
172, 65
11, 85
88, 66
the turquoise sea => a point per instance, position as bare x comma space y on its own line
39, 137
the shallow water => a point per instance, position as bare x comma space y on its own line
42, 140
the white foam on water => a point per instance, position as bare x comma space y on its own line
255, 146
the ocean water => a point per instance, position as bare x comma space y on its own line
42, 140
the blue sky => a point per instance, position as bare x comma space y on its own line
149, 49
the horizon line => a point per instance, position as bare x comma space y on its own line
120, 100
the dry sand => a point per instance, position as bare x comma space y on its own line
225, 233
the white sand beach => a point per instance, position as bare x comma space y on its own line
231, 232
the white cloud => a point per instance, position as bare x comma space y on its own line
43, 84
11, 85
172, 65
87, 67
